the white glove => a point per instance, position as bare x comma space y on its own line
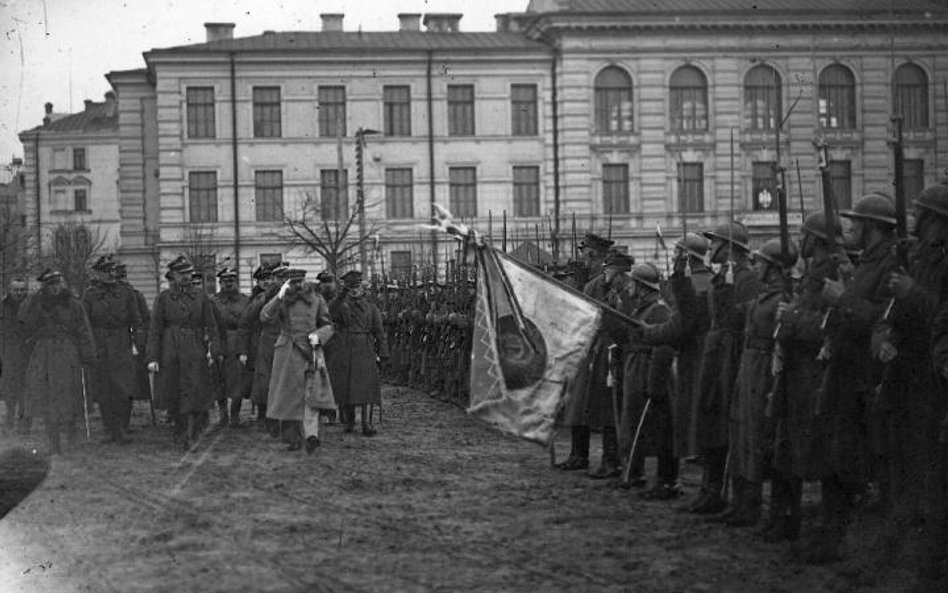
313, 339
243, 359
134, 350
152, 367
283, 289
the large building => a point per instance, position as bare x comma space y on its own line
622, 115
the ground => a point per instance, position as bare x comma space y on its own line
437, 501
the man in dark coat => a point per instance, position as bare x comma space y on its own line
250, 327
355, 352
141, 337
182, 344
14, 354
62, 349
266, 334
235, 378
114, 316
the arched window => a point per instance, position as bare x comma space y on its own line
613, 101
763, 105
689, 99
910, 96
837, 98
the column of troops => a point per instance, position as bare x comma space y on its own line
297, 350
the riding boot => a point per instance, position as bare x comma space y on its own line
825, 547
222, 408
712, 501
367, 429
350, 417
235, 412
748, 513
609, 464
737, 502
579, 450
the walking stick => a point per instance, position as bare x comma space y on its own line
85, 402
151, 397
627, 471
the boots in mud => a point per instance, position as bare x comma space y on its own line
579, 450
784, 518
235, 405
222, 410
367, 428
609, 464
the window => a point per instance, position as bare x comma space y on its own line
911, 96
399, 201
270, 260
266, 112
762, 98
332, 111
764, 185
615, 189
523, 110
397, 105
913, 178
334, 202
78, 159
268, 195
526, 191
841, 178
837, 100
200, 111
691, 186
613, 93
59, 159
460, 109
80, 200
689, 100
59, 199
400, 264
202, 196
463, 191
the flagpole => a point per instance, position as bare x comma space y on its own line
504, 243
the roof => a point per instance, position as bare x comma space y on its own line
746, 6
97, 117
348, 41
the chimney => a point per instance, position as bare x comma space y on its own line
409, 21
442, 22
219, 31
332, 21
88, 104
502, 21
49, 113
110, 103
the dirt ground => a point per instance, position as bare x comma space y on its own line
436, 501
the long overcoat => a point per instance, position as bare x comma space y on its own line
141, 342
14, 350
62, 345
351, 355
297, 366
236, 378
260, 339
590, 400
116, 325
183, 330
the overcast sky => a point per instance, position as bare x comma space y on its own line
52, 46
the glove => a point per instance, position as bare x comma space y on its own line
153, 367
313, 339
243, 359
134, 350
283, 289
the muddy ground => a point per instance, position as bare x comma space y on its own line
436, 501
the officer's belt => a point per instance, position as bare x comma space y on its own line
759, 343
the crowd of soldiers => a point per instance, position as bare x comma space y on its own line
298, 350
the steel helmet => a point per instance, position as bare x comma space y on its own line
772, 253
732, 232
815, 224
648, 275
874, 206
934, 198
693, 244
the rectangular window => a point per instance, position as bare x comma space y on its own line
691, 186
913, 176
268, 195
270, 260
399, 201
202, 196
764, 185
266, 112
463, 191
841, 177
59, 159
460, 109
400, 264
81, 200
58, 200
526, 191
200, 112
397, 104
615, 189
78, 159
332, 111
523, 107
334, 200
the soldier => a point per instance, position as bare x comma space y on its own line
647, 376
182, 345
594, 250
250, 331
14, 355
269, 332
116, 326
327, 285
235, 378
357, 349
751, 433
733, 286
851, 375
62, 349
141, 338
797, 442
260, 276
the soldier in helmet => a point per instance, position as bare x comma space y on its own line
797, 441
234, 375
912, 398
850, 378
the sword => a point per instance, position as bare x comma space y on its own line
85, 402
624, 482
151, 397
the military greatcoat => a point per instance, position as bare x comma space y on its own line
259, 340
116, 325
590, 401
237, 379
14, 350
352, 353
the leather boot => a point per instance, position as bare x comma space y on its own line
579, 450
825, 548
609, 465
749, 512
736, 506
222, 408
783, 522
235, 405
350, 418
367, 429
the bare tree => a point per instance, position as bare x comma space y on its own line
72, 250
15, 243
198, 246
